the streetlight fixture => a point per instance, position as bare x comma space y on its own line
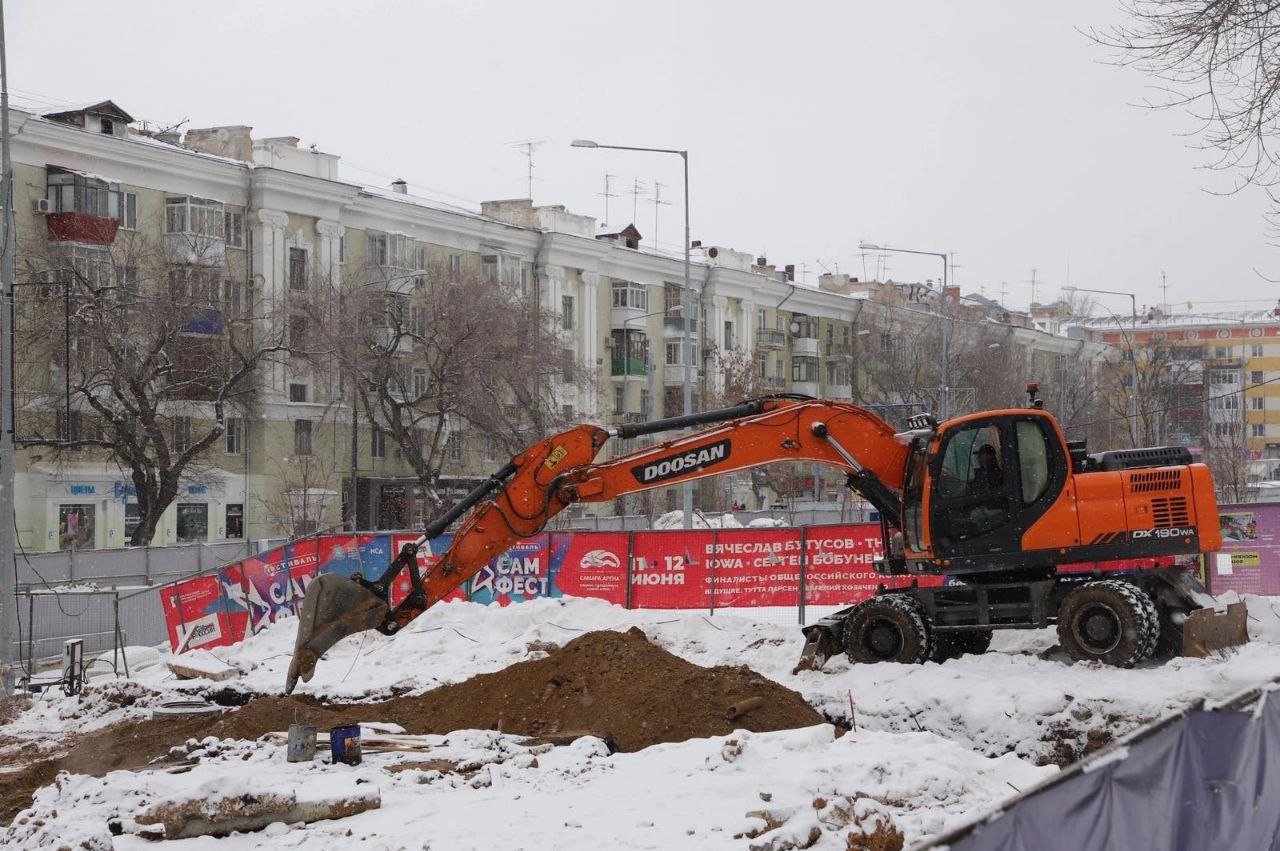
1133, 350
687, 487
944, 390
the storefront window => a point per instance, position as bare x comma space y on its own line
132, 520
235, 520
75, 527
193, 521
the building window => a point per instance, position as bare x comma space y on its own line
672, 299
302, 437
728, 335
69, 192
193, 521
231, 296
490, 448
673, 353
1256, 403
194, 216
1221, 352
297, 268
297, 334
804, 369
297, 392
628, 294
566, 312
378, 249
419, 383
128, 210
342, 249
76, 527
181, 434
1258, 430
377, 441
619, 398
67, 424
235, 519
1255, 350
1255, 377
455, 267
233, 229
453, 445
132, 520
235, 435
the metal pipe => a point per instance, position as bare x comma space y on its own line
626, 431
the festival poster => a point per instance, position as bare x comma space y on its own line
347, 555
427, 558
669, 570
194, 615
275, 582
521, 573
235, 603
590, 564
753, 567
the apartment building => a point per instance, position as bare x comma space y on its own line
1219, 376
247, 218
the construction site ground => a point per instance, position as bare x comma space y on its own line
573, 723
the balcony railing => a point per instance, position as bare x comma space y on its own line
80, 227
805, 346
675, 325
770, 338
629, 366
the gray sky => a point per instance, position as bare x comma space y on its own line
994, 130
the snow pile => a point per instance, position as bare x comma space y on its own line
699, 794
675, 520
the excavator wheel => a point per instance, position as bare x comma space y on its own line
888, 628
953, 645
1109, 621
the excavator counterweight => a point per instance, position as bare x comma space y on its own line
999, 500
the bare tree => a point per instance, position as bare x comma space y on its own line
1218, 59
1226, 453
304, 497
449, 350
123, 351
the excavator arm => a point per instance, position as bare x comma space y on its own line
519, 500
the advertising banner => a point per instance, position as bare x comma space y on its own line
274, 582
1249, 562
590, 564
194, 615
669, 570
427, 558
521, 573
753, 567
347, 555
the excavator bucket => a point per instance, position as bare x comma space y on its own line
1206, 631
334, 608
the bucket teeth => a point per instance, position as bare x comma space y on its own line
333, 608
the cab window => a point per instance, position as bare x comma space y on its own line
972, 462
1033, 461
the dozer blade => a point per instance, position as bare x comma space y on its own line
334, 608
1207, 631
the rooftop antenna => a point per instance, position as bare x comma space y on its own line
637, 186
954, 265
1004, 292
1164, 287
657, 203
1033, 284
528, 146
607, 194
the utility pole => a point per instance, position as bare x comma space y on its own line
607, 194
8, 565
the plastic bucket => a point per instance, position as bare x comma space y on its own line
344, 744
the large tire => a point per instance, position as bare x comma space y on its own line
954, 644
888, 628
1109, 621
1171, 619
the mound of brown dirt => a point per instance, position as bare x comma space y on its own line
614, 684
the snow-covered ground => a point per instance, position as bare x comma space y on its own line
932, 743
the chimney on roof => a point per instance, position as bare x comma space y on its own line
233, 141
399, 186
172, 136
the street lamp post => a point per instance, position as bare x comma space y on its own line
944, 389
687, 487
1133, 351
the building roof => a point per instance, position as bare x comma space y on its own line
102, 107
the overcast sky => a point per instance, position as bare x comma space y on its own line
994, 130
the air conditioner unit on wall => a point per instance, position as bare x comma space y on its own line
41, 206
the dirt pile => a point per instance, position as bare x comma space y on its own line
613, 684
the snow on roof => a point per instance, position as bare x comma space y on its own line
102, 106
1181, 320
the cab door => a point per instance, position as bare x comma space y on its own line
992, 478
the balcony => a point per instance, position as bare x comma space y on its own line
770, 338
80, 227
804, 347
189, 249
673, 373
808, 388
673, 326
628, 366
842, 392
773, 383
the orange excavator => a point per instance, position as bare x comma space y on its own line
996, 502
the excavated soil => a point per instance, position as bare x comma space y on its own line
613, 684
